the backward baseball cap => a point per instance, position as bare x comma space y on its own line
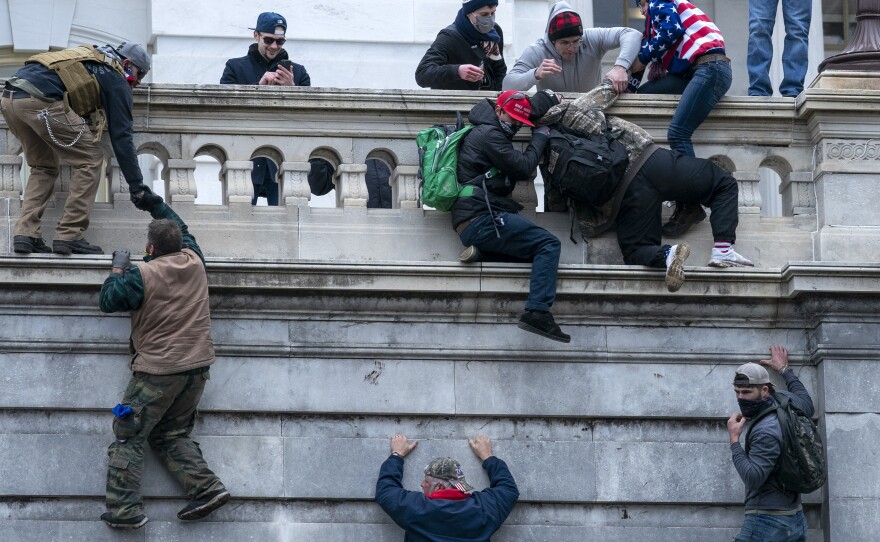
136, 54
446, 468
751, 374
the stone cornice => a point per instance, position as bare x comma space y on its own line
224, 274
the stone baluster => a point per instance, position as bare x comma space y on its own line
749, 194
237, 175
798, 194
10, 176
405, 187
352, 191
182, 181
118, 185
524, 192
295, 183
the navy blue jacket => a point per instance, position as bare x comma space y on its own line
249, 69
117, 102
428, 520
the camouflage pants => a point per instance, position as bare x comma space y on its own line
164, 412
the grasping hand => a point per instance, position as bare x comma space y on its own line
401, 445
548, 67
469, 72
481, 446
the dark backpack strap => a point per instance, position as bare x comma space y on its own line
763, 414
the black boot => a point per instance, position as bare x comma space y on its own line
542, 323
22, 244
684, 216
80, 246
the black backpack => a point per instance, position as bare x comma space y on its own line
801, 466
588, 168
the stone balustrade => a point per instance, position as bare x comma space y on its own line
819, 147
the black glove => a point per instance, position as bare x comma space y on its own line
144, 199
121, 259
541, 102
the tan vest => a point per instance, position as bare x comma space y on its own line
171, 331
82, 91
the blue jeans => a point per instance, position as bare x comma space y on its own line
520, 241
764, 528
699, 94
796, 15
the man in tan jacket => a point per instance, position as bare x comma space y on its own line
171, 352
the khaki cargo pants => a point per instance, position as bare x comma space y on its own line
164, 413
26, 120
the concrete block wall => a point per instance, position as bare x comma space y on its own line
617, 436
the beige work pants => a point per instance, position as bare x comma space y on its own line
42, 155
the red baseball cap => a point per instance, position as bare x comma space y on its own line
516, 104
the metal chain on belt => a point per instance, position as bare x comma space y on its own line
46, 117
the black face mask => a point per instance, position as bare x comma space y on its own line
750, 409
509, 129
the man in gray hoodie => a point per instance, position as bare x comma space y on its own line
569, 58
772, 514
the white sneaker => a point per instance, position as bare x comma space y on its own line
728, 259
675, 266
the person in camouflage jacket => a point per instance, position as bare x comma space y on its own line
654, 175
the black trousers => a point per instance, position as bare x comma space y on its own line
669, 176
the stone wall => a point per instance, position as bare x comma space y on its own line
336, 328
611, 437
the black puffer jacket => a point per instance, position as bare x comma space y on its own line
485, 147
249, 69
439, 67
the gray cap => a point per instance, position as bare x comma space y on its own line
136, 53
751, 374
446, 468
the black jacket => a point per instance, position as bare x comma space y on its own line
117, 102
439, 67
485, 147
475, 518
249, 69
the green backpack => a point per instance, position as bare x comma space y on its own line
438, 165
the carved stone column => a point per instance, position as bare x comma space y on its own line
749, 194
118, 186
352, 191
524, 192
405, 187
182, 181
798, 194
10, 176
237, 176
295, 183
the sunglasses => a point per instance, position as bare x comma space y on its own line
269, 40
514, 96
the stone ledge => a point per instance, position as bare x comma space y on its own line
793, 280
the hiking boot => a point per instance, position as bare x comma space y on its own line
469, 255
542, 323
728, 259
202, 507
80, 246
130, 523
675, 266
22, 244
684, 216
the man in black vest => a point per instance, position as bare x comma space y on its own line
52, 128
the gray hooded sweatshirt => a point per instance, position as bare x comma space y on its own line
584, 70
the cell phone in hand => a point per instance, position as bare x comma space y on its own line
287, 64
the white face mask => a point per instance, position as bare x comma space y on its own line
484, 23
